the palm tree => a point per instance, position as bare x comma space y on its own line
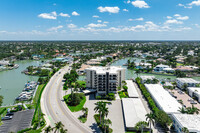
48, 129
185, 130
62, 130
150, 118
58, 126
98, 108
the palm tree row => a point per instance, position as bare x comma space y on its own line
59, 128
189, 110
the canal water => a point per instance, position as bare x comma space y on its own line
12, 81
131, 73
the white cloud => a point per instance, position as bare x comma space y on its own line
55, 28
173, 21
197, 25
169, 17
178, 16
64, 15
99, 21
128, 2
71, 26
105, 22
74, 13
183, 18
140, 4
137, 19
95, 16
196, 3
54, 4
125, 10
52, 15
109, 9
92, 25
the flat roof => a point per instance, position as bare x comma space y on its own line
162, 97
132, 91
191, 122
195, 89
134, 111
103, 70
187, 80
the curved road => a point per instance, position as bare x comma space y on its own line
55, 109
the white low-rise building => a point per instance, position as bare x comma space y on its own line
188, 81
146, 77
191, 122
160, 68
134, 112
194, 92
163, 99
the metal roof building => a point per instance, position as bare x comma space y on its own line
132, 91
134, 111
163, 99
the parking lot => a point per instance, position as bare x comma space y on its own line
20, 120
185, 98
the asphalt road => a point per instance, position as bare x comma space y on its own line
54, 107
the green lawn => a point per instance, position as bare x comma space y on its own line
82, 83
123, 94
179, 64
77, 107
35, 99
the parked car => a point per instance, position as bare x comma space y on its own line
10, 114
6, 118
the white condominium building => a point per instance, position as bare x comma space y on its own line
105, 79
188, 81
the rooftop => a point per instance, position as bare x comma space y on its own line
195, 89
163, 98
191, 122
132, 91
187, 80
147, 77
103, 70
134, 111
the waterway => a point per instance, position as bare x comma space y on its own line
12, 81
131, 73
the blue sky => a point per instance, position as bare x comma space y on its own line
100, 20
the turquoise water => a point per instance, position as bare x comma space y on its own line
12, 81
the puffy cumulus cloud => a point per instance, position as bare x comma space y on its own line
140, 4
95, 16
125, 10
64, 15
173, 21
109, 9
196, 3
105, 22
197, 25
52, 15
71, 26
178, 16
74, 13
92, 25
169, 17
55, 28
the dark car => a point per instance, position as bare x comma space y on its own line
6, 118
10, 114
